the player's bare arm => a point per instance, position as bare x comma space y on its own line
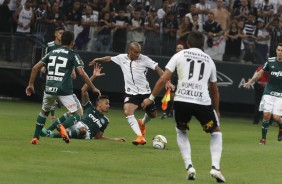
215, 96
73, 74
35, 69
96, 73
159, 71
102, 59
43, 69
86, 79
100, 135
165, 77
255, 77
169, 85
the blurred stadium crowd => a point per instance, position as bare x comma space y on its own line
245, 31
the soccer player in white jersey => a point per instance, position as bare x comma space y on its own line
134, 66
271, 102
196, 95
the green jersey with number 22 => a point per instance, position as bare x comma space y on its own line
60, 63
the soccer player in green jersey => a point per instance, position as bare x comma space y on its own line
271, 103
50, 47
60, 63
93, 122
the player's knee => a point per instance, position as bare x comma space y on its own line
182, 126
276, 118
216, 129
178, 131
267, 116
82, 131
127, 111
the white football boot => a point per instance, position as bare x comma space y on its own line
215, 173
191, 173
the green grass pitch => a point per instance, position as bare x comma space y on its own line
244, 161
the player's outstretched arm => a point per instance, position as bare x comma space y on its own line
86, 80
158, 87
255, 77
96, 73
73, 74
100, 135
35, 69
159, 71
102, 59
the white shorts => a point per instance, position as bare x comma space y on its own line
70, 102
271, 104
79, 125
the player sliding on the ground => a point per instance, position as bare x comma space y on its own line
60, 63
93, 122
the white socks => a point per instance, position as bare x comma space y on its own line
134, 125
184, 146
216, 148
146, 119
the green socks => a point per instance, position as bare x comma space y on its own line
58, 121
71, 120
52, 112
264, 129
40, 122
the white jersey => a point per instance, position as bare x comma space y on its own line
134, 73
195, 69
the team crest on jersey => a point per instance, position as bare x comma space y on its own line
128, 90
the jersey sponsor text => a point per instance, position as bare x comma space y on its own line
51, 89
55, 78
191, 85
191, 93
95, 120
60, 51
277, 74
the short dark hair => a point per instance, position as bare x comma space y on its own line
196, 40
67, 38
102, 97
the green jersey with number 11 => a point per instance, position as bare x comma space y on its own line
60, 63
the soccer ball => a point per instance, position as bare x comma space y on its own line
159, 142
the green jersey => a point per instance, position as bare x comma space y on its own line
274, 84
60, 63
51, 46
96, 121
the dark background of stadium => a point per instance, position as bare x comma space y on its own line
234, 99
